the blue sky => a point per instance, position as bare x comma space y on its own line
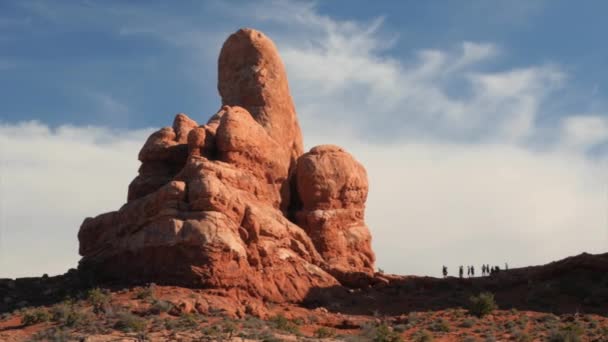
492, 114
80, 61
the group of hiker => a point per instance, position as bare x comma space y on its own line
486, 270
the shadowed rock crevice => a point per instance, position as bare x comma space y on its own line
234, 203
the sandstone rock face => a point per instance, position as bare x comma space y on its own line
163, 156
332, 187
210, 205
252, 75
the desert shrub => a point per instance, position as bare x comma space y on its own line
568, 333
509, 325
253, 323
384, 333
482, 304
211, 331
522, 336
468, 323
224, 331
325, 332
422, 336
99, 299
35, 316
145, 293
80, 319
60, 311
490, 338
53, 334
66, 314
229, 327
183, 322
127, 322
159, 306
400, 327
547, 318
281, 323
440, 325
523, 322
265, 336
188, 321
549, 322
413, 317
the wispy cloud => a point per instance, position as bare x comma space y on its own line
432, 94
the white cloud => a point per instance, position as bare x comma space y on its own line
429, 204
434, 204
344, 71
584, 131
50, 180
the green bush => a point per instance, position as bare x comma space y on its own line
522, 336
67, 315
253, 323
440, 325
99, 299
482, 304
52, 334
75, 318
35, 316
59, 312
384, 333
422, 336
568, 333
229, 327
184, 322
325, 332
127, 322
159, 306
281, 323
468, 323
145, 293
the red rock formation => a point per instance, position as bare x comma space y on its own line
252, 76
332, 186
209, 205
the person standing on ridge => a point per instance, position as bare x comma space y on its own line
444, 271
472, 271
461, 271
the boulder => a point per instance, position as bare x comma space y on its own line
333, 188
